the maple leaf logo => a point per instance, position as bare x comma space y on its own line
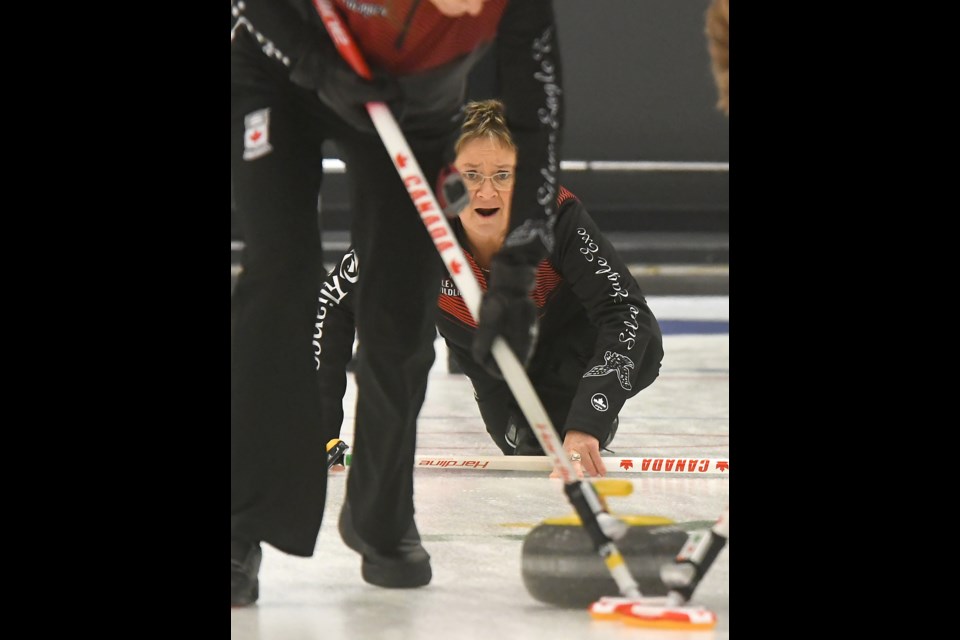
723, 465
401, 160
455, 267
255, 136
626, 464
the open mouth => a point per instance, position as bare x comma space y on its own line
486, 213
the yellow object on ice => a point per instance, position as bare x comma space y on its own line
610, 487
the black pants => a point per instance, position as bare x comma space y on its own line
278, 471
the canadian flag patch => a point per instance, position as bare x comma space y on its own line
256, 135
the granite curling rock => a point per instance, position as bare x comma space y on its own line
560, 566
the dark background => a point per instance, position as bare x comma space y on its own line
638, 82
639, 88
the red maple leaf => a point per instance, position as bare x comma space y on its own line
626, 464
723, 465
401, 160
255, 136
455, 267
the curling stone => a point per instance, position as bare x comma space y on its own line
561, 567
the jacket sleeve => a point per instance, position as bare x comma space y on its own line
629, 344
530, 80
285, 30
333, 339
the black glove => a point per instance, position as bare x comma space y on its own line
507, 310
321, 69
452, 194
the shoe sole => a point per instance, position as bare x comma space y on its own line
415, 574
246, 599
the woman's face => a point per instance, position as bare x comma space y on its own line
488, 214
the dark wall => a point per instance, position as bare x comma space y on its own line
638, 81
639, 88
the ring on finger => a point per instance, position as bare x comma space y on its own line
574, 456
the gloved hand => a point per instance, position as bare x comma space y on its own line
321, 69
507, 310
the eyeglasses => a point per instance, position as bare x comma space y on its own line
501, 180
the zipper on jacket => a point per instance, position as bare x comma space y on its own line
406, 24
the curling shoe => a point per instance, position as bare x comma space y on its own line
244, 566
405, 567
613, 432
521, 438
